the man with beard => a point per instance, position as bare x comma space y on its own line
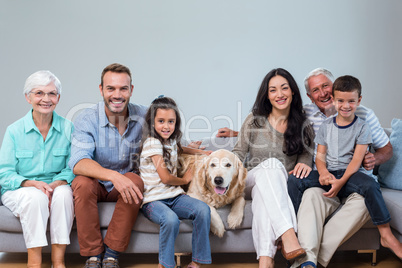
105, 138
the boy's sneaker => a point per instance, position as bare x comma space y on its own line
93, 262
110, 263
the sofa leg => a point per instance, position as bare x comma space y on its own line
374, 256
178, 260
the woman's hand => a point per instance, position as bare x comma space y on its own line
301, 171
43, 186
53, 185
57, 183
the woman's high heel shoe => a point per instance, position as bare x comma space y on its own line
290, 256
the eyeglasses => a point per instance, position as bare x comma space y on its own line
40, 94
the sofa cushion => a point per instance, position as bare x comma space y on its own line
389, 173
8, 222
142, 224
393, 200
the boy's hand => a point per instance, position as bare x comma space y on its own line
325, 178
301, 171
335, 188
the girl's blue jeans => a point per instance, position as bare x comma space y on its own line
168, 213
358, 183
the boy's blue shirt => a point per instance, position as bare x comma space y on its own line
341, 141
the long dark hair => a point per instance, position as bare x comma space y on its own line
164, 103
297, 133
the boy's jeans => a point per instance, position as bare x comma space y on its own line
167, 213
358, 183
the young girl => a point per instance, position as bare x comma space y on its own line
165, 202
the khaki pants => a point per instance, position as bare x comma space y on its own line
87, 193
319, 240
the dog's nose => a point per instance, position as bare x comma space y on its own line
218, 180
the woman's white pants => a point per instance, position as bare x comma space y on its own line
273, 212
31, 205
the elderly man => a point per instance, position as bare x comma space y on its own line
321, 241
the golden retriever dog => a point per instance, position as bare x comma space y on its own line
219, 180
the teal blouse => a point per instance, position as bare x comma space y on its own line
24, 155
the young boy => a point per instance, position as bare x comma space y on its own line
342, 141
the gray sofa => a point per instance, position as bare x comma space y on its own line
145, 233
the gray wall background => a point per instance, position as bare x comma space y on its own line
210, 55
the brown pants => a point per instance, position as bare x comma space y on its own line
87, 193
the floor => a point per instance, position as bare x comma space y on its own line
347, 259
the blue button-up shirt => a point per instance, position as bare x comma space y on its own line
95, 138
24, 155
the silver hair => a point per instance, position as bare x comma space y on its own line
316, 72
41, 78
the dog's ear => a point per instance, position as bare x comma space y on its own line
242, 172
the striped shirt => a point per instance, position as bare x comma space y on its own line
380, 138
154, 188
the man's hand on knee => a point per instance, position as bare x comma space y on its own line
128, 190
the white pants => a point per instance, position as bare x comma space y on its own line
31, 205
321, 241
273, 212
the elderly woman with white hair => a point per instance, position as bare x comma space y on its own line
34, 175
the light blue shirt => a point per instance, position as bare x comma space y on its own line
95, 138
24, 155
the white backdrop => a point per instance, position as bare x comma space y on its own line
210, 55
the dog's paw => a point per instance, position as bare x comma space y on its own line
218, 232
234, 220
218, 229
